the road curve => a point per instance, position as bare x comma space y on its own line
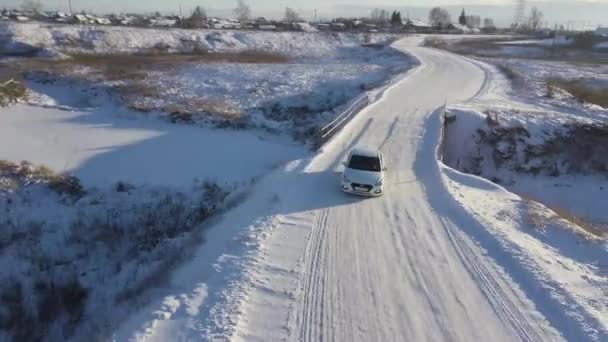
332, 267
387, 269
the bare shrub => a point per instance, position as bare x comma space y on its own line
11, 91
16, 175
539, 221
14, 316
132, 248
196, 109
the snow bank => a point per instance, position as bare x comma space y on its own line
564, 271
541, 155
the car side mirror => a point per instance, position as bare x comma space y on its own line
385, 168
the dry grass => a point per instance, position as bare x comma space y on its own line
538, 220
207, 108
13, 176
581, 91
490, 48
130, 62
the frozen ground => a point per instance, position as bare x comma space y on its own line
443, 255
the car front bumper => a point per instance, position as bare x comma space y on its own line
376, 191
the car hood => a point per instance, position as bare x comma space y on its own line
363, 177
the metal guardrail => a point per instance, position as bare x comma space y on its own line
442, 122
330, 130
7, 83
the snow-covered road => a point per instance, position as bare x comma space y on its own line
313, 264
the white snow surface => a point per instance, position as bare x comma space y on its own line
108, 144
442, 256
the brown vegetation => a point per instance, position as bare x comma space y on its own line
13, 176
581, 91
11, 91
538, 220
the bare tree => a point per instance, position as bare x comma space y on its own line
439, 17
33, 6
291, 16
536, 19
379, 16
196, 19
242, 10
488, 23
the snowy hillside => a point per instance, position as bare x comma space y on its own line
287, 82
99, 39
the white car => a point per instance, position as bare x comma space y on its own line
364, 172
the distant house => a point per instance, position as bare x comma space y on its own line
103, 21
338, 26
81, 19
416, 25
163, 22
601, 31
304, 27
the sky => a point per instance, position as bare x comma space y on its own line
584, 12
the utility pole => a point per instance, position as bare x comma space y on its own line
181, 18
520, 13
70, 6
315, 18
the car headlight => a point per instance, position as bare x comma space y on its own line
346, 179
380, 182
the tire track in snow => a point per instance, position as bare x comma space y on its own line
495, 292
312, 313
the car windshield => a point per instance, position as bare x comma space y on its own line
364, 163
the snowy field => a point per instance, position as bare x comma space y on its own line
515, 232
531, 77
286, 82
78, 253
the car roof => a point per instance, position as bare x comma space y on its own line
365, 151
